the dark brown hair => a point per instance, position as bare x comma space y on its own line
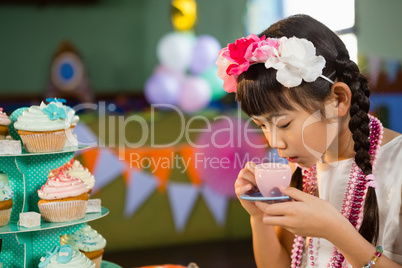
259, 93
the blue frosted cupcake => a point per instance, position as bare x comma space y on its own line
88, 241
6, 201
64, 256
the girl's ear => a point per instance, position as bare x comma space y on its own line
343, 96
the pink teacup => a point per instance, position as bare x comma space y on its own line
269, 176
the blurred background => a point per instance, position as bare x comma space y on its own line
140, 73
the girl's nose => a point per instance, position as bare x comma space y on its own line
275, 140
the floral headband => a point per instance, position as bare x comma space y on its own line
293, 58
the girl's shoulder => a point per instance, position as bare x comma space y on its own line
390, 152
389, 136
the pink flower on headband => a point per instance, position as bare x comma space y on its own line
262, 51
293, 58
232, 61
237, 57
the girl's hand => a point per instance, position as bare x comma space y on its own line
306, 216
245, 183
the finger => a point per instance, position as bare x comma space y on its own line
243, 182
294, 193
279, 209
250, 165
242, 189
275, 220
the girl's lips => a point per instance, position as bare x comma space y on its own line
292, 159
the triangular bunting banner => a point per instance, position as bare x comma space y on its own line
89, 157
187, 154
182, 198
217, 204
133, 159
140, 187
85, 135
136, 158
161, 165
107, 168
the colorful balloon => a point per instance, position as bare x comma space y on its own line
205, 53
184, 14
162, 88
210, 75
195, 94
175, 49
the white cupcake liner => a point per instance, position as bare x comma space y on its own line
44, 141
5, 216
63, 210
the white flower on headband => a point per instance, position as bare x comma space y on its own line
293, 58
296, 62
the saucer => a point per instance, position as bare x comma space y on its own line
258, 197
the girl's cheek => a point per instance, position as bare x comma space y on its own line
314, 139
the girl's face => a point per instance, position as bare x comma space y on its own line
299, 136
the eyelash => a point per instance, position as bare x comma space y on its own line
281, 127
284, 126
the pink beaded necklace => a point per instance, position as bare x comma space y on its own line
353, 201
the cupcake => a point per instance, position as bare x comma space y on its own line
43, 128
88, 241
4, 123
6, 201
64, 256
76, 170
63, 198
63, 168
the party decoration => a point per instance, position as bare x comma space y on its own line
187, 153
205, 53
162, 88
216, 84
225, 149
89, 157
85, 136
195, 94
186, 75
178, 75
68, 76
184, 14
217, 204
161, 165
175, 49
182, 198
141, 185
108, 167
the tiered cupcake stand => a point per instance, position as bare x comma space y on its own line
23, 247
27, 172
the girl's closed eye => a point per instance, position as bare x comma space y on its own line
284, 126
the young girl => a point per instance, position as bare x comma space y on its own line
297, 83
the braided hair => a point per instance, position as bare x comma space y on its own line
259, 93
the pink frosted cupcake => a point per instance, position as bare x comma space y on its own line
63, 168
77, 170
63, 198
4, 123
